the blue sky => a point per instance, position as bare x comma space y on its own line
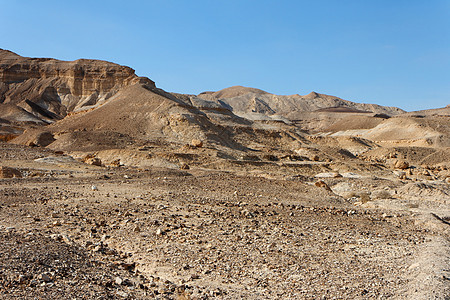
393, 53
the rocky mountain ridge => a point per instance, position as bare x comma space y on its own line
50, 89
248, 101
93, 103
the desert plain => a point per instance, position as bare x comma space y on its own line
111, 188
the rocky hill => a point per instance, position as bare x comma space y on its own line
92, 105
249, 101
50, 89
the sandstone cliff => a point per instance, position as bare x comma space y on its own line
50, 88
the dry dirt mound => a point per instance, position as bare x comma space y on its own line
231, 92
341, 109
429, 131
425, 191
35, 137
445, 111
354, 122
354, 145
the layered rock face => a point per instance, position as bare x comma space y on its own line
50, 88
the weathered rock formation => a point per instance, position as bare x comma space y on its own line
50, 88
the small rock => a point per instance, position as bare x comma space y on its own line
194, 276
328, 175
104, 238
118, 281
196, 143
7, 172
56, 236
321, 183
22, 278
45, 277
66, 239
400, 174
184, 166
401, 164
122, 294
94, 188
159, 231
98, 248
94, 161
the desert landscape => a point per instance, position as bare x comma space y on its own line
112, 188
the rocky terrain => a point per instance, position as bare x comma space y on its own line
113, 188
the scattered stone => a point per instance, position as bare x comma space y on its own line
66, 239
184, 166
426, 173
45, 277
194, 277
401, 164
122, 294
351, 175
95, 161
7, 172
104, 238
400, 174
328, 175
118, 281
322, 184
94, 188
196, 143
22, 278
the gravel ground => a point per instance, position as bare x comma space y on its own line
98, 233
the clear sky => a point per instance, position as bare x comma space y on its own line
394, 52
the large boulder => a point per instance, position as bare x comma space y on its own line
35, 138
401, 164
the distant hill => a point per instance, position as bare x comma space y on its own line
247, 101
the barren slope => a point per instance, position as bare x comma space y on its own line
248, 100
